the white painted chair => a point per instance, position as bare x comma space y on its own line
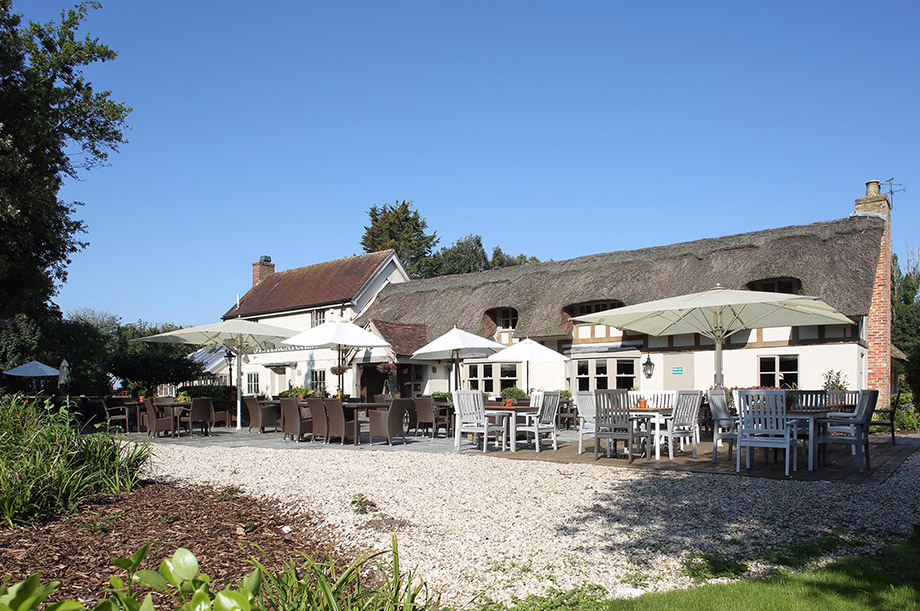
682, 423
587, 416
543, 422
471, 418
536, 398
724, 425
852, 430
763, 424
615, 424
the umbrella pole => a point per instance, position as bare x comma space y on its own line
457, 374
239, 391
718, 364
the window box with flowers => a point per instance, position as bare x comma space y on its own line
338, 370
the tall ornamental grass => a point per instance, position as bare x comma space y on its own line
47, 466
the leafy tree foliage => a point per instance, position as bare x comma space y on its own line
403, 229
464, 256
52, 124
142, 366
905, 332
500, 259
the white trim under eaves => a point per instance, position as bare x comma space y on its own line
369, 282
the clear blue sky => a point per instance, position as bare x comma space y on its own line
554, 129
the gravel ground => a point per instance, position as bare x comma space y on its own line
476, 526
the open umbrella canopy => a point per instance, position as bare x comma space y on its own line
528, 351
457, 344
236, 334
33, 369
336, 333
718, 314
240, 336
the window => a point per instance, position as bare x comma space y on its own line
600, 375
582, 375
317, 317
507, 318
480, 377
626, 373
792, 286
779, 371
252, 383
318, 380
508, 375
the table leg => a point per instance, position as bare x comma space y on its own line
658, 437
513, 431
812, 446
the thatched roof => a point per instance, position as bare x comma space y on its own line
834, 260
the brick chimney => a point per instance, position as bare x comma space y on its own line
262, 269
878, 323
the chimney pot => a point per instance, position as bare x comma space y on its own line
873, 188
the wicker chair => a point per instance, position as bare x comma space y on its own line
320, 424
295, 425
430, 415
202, 412
260, 416
157, 421
338, 423
389, 423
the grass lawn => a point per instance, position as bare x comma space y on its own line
888, 581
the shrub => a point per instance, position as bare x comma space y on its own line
47, 467
513, 393
441, 396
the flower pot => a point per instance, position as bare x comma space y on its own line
642, 403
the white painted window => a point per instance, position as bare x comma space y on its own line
480, 377
317, 317
318, 379
781, 371
252, 383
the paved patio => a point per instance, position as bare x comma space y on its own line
840, 467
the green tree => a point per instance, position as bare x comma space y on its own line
500, 259
905, 331
52, 124
143, 366
402, 229
462, 257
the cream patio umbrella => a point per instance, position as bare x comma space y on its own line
718, 314
528, 351
457, 344
239, 335
338, 334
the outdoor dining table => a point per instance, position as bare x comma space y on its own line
137, 413
811, 415
511, 413
178, 409
650, 414
359, 407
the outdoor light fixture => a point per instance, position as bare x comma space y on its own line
648, 367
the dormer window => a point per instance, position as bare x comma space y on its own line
591, 307
506, 318
791, 286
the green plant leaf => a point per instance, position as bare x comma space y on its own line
147, 605
166, 570
122, 563
200, 602
253, 581
184, 565
65, 605
117, 582
151, 579
137, 557
228, 600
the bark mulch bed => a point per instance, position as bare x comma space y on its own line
221, 527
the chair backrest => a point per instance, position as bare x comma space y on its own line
549, 407
424, 409
612, 408
255, 411
687, 408
536, 398
469, 406
290, 411
382, 398
814, 400
718, 405
584, 402
842, 398
317, 414
151, 407
201, 409
335, 413
762, 411
399, 406
664, 399
868, 400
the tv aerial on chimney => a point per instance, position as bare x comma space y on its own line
891, 189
